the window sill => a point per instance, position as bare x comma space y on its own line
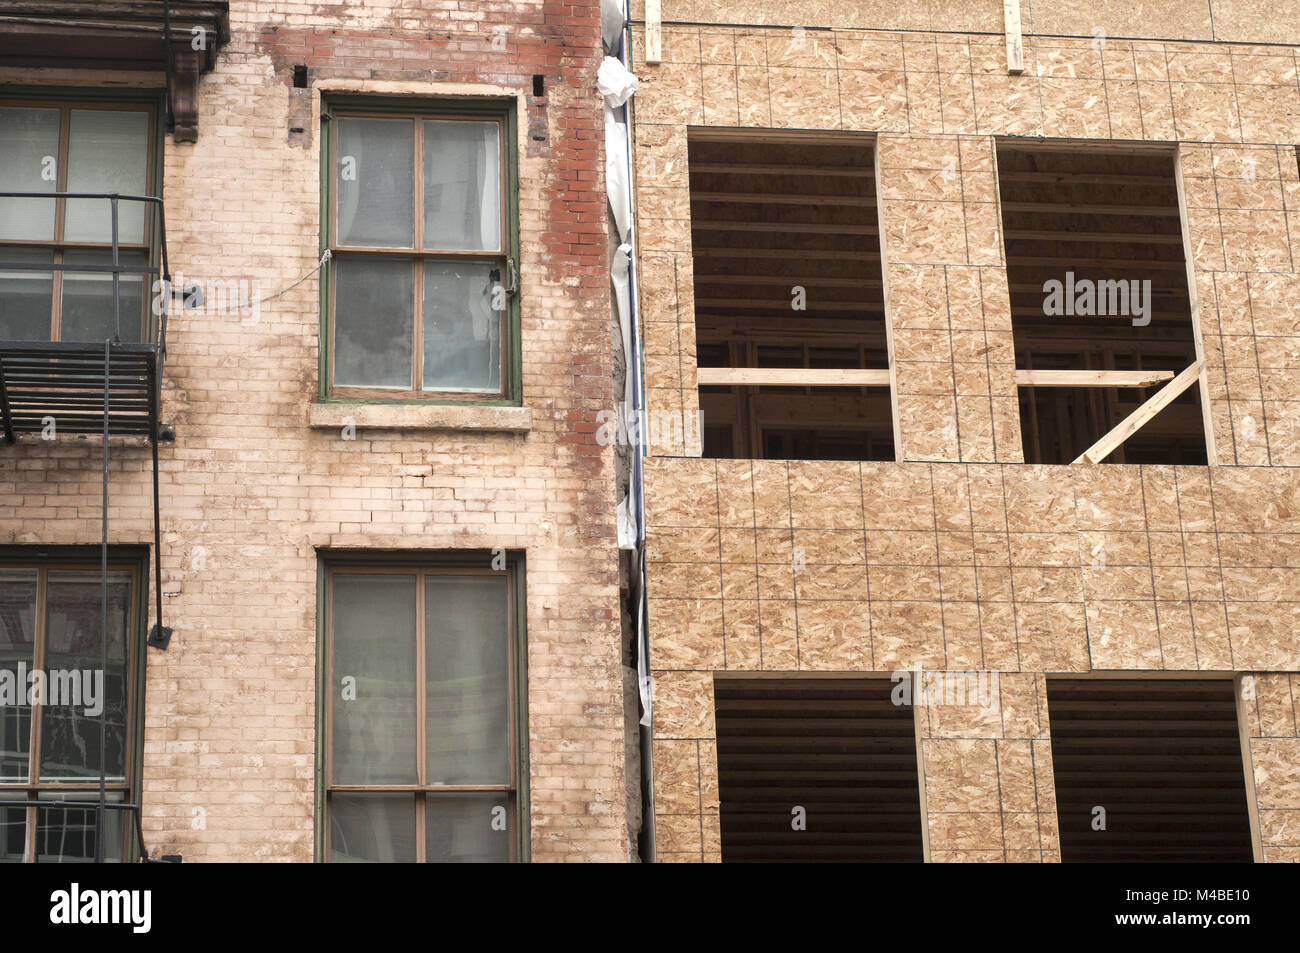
328, 416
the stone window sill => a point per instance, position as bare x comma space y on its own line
330, 416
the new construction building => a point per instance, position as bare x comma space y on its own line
978, 538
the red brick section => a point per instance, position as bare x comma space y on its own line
250, 492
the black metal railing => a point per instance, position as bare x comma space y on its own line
63, 381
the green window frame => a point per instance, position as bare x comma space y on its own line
57, 122
432, 767
50, 615
434, 293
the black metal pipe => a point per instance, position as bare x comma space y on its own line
117, 286
170, 120
103, 597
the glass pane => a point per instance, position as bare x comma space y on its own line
66, 835
26, 296
373, 324
462, 185
87, 301
108, 151
374, 828
462, 331
17, 647
466, 636
29, 155
376, 182
13, 833
78, 694
475, 829
373, 734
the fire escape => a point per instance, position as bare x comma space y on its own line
114, 388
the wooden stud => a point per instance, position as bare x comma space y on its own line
653, 32
1194, 306
1015, 46
1248, 769
1133, 422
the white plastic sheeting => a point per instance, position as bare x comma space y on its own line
617, 85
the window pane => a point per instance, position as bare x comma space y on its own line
466, 637
376, 182
26, 296
17, 642
462, 332
66, 835
373, 734
474, 829
375, 828
373, 324
29, 152
108, 152
462, 185
77, 696
87, 299
13, 833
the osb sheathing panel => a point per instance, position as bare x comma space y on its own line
1023, 570
949, 308
1243, 217
1271, 710
1223, 20
936, 101
829, 566
989, 789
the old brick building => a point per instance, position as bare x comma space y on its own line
388, 549
1071, 532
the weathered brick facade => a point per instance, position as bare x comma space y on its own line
260, 479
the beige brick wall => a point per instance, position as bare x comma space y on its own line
250, 492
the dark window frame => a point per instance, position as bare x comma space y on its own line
422, 564
503, 112
85, 559
66, 100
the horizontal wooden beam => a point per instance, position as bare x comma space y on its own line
791, 228
785, 253
1086, 178
1091, 378
846, 307
734, 169
1082, 238
1067, 208
808, 281
793, 377
796, 198
1076, 263
1131, 424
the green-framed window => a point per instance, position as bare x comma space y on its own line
423, 742
420, 301
68, 141
54, 695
